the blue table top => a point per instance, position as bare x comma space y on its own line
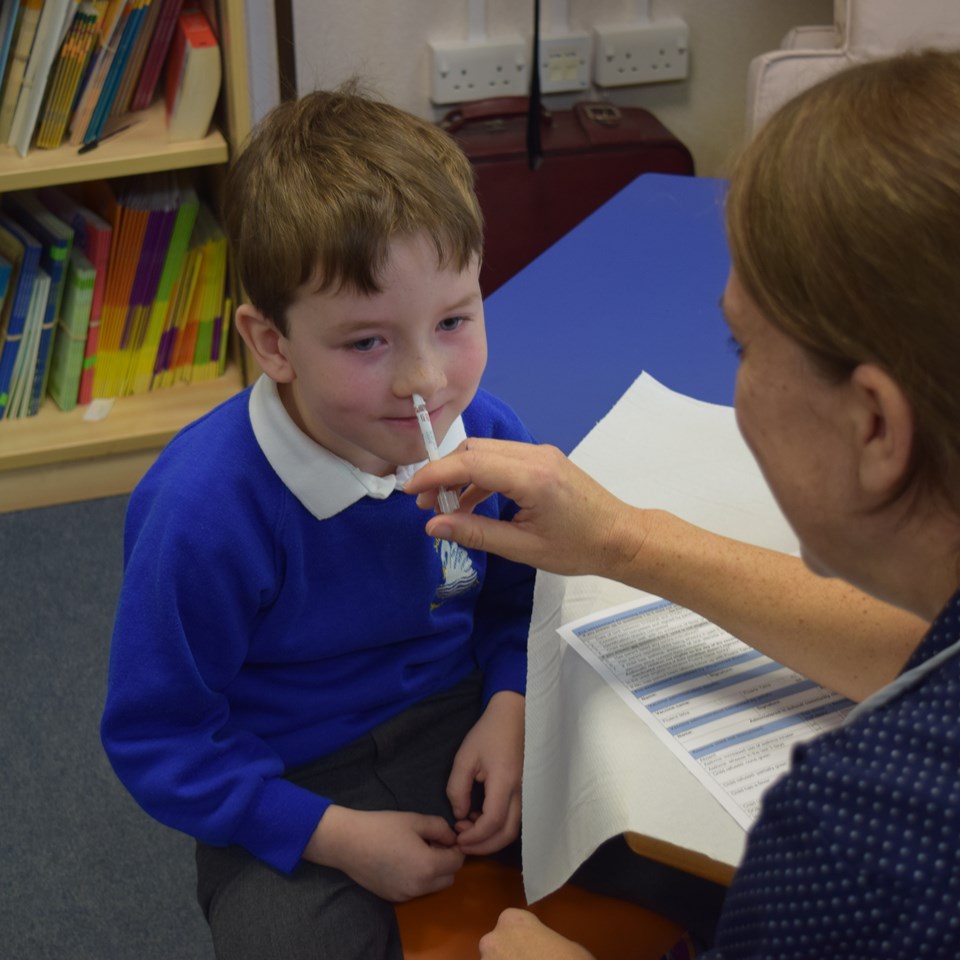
635, 287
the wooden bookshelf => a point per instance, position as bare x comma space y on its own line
58, 457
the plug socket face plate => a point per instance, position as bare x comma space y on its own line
461, 72
652, 52
565, 62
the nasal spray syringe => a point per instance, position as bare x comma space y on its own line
447, 500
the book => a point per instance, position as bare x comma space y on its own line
142, 228
23, 251
111, 28
26, 31
21, 382
176, 322
56, 239
9, 18
138, 54
7, 277
210, 308
128, 36
93, 235
162, 200
188, 206
66, 364
221, 340
54, 18
156, 55
193, 77
72, 62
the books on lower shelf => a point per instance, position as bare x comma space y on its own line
109, 290
69, 68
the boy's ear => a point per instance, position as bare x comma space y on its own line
266, 343
884, 429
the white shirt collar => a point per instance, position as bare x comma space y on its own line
323, 482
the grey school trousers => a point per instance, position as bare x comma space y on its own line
318, 913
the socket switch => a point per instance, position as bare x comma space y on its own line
474, 71
565, 62
650, 52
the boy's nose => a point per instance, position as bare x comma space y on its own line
424, 375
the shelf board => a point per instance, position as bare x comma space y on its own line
143, 422
143, 148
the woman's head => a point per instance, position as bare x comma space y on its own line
844, 223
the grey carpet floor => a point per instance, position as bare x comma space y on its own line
84, 873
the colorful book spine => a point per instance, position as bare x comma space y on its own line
9, 20
163, 213
54, 18
118, 64
111, 27
193, 77
187, 209
71, 64
183, 296
66, 365
211, 305
156, 55
56, 239
138, 54
24, 252
8, 273
92, 234
21, 384
26, 32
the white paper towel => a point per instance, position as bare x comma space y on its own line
593, 769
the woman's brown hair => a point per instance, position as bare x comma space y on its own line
843, 217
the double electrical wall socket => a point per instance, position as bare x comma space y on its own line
565, 62
475, 71
649, 52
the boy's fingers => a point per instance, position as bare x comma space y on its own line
437, 830
460, 789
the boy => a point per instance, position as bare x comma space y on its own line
299, 678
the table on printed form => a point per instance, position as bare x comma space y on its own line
633, 288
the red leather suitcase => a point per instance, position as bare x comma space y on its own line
588, 154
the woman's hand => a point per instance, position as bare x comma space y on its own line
567, 522
519, 935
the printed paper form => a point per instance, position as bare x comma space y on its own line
730, 714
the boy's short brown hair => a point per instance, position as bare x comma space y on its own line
323, 185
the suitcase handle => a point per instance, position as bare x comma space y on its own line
495, 108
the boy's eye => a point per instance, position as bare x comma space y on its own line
451, 323
364, 345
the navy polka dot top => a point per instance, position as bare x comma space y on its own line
856, 852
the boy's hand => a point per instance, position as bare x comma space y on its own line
491, 754
396, 855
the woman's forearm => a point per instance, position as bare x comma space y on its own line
823, 628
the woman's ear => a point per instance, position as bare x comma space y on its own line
268, 345
884, 430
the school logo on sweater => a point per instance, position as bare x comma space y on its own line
458, 573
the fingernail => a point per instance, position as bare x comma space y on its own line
441, 531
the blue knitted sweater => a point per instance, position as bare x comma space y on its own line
276, 604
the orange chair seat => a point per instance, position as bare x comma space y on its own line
448, 925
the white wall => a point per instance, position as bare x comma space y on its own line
385, 42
